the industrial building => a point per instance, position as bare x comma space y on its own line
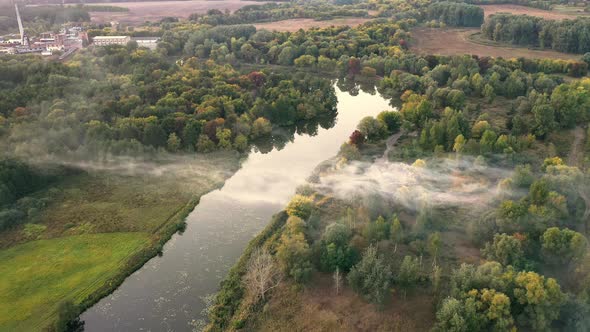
111, 40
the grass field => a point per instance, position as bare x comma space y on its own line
454, 41
140, 12
99, 227
36, 276
307, 23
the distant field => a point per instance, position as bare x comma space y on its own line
559, 14
307, 23
457, 41
140, 12
36, 276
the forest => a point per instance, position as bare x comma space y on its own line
570, 36
455, 14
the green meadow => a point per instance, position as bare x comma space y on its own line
37, 275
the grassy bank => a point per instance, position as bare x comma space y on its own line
98, 228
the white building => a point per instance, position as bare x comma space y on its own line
149, 42
111, 40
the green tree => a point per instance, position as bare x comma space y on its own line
563, 245
396, 232
372, 128
392, 119
173, 143
371, 277
408, 275
505, 249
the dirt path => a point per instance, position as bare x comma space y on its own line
573, 158
390, 144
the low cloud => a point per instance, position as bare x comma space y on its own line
442, 182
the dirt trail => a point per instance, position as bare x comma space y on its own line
390, 143
573, 158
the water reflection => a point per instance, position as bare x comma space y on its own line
165, 294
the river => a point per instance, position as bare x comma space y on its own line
166, 293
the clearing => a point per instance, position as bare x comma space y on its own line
140, 12
454, 41
307, 23
559, 14
36, 276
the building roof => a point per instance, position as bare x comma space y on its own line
146, 38
110, 37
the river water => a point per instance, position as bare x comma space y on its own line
166, 293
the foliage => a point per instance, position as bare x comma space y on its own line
455, 14
300, 206
371, 277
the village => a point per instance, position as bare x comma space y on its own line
62, 44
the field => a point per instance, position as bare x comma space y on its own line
99, 227
522, 10
459, 41
307, 23
318, 308
140, 12
36, 276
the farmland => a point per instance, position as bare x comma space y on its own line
140, 12
307, 23
459, 41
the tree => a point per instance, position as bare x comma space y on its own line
434, 244
505, 249
396, 233
68, 318
372, 128
357, 138
294, 255
173, 143
371, 277
262, 274
459, 143
261, 127
300, 206
337, 280
489, 93
540, 299
563, 245
450, 317
392, 119
544, 119
377, 230
408, 274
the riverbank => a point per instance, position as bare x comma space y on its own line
99, 227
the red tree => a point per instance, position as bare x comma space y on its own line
357, 138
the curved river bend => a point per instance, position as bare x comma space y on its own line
166, 293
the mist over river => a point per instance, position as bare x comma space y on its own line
166, 293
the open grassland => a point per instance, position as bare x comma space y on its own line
140, 12
36, 276
558, 13
99, 227
460, 41
307, 23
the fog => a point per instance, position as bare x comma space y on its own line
439, 183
